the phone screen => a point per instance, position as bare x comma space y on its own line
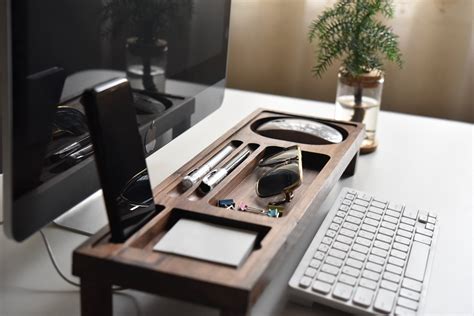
120, 157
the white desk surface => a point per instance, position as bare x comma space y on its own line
422, 162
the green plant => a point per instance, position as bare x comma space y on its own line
350, 30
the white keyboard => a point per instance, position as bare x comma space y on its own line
369, 256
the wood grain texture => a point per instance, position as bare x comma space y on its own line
134, 264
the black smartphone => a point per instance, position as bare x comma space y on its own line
119, 156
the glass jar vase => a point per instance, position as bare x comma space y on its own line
358, 100
146, 64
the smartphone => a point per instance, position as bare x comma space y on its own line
120, 157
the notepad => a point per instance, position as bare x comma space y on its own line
209, 242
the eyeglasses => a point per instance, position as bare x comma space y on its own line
137, 192
285, 175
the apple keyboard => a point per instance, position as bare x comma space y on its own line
369, 256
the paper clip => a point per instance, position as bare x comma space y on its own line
226, 203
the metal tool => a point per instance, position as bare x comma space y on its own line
217, 175
197, 174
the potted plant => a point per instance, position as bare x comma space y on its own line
142, 22
351, 31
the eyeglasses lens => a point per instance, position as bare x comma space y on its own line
278, 180
281, 157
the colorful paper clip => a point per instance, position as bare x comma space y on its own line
226, 203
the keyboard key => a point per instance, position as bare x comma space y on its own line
408, 221
326, 240
391, 277
347, 279
354, 263
328, 278
341, 214
331, 233
423, 239
337, 253
374, 267
334, 261
407, 303
329, 269
393, 213
395, 207
374, 216
356, 214
389, 285
310, 272
394, 269
342, 291
323, 248
390, 219
400, 247
371, 221
350, 226
368, 283
338, 220
358, 208
382, 245
430, 226
410, 213
366, 234
321, 287
425, 232
402, 240
404, 233
384, 238
376, 210
346, 202
364, 196
423, 219
386, 231
398, 254
318, 255
402, 311
431, 220
305, 282
341, 246
344, 208
388, 225
361, 202
353, 220
350, 196
363, 297
315, 264
376, 259
347, 233
360, 248
384, 301
378, 204
350, 271
417, 262
357, 255
369, 228
379, 252
344, 239
410, 294
363, 241
371, 275
406, 227
396, 261
412, 285
334, 226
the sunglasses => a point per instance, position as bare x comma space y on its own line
285, 175
137, 192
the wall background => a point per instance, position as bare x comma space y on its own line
269, 52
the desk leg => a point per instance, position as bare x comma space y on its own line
351, 168
96, 298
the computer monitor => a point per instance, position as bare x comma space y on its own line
173, 52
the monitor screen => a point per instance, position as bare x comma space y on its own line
173, 53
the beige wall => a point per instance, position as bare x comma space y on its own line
269, 52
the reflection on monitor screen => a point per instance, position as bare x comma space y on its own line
173, 53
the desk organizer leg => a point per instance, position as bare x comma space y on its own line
96, 298
351, 168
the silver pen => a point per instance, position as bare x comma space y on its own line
197, 174
217, 175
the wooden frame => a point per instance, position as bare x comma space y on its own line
133, 264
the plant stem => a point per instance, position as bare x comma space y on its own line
359, 111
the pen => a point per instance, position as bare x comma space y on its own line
197, 174
66, 151
216, 176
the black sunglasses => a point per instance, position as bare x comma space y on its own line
285, 175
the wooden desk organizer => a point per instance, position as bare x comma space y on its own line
133, 264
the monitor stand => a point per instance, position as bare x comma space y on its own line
86, 218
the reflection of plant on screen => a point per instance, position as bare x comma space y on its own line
142, 22
350, 31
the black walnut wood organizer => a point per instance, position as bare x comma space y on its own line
133, 264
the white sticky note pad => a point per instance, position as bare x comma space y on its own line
206, 241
